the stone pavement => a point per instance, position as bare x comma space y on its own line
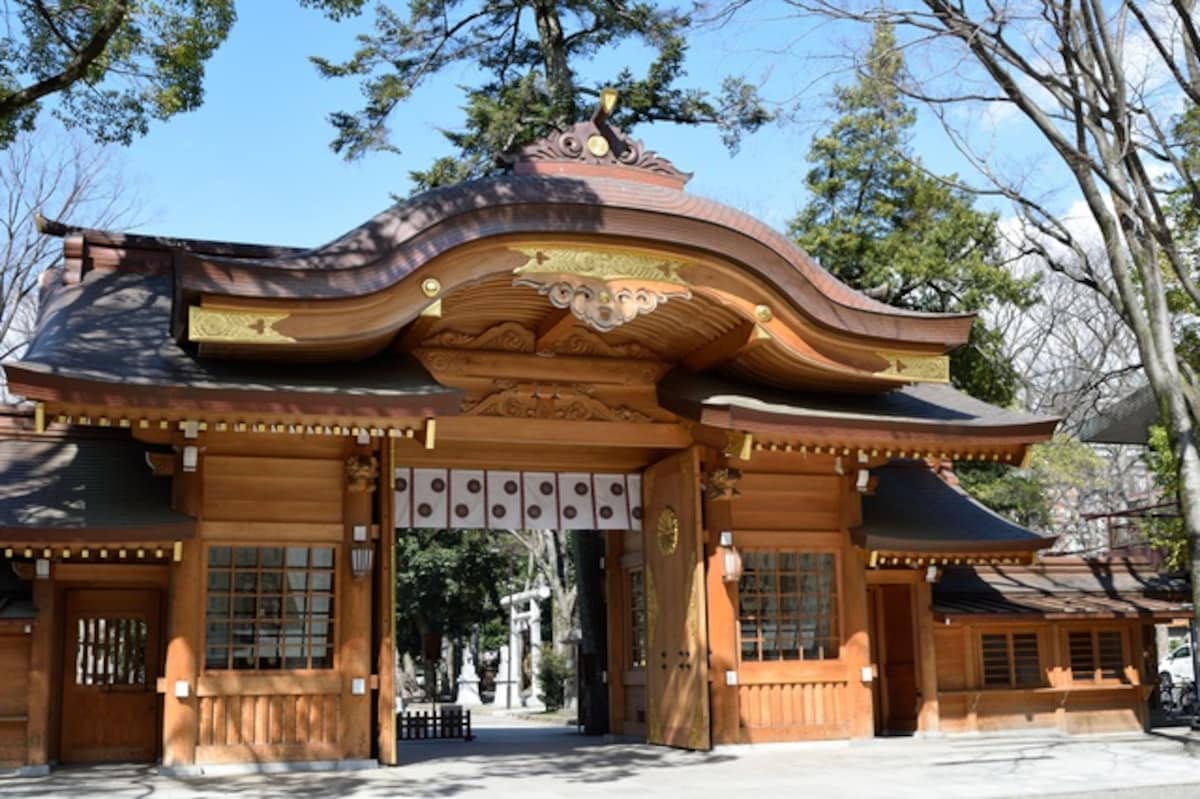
530, 760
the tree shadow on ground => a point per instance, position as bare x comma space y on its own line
503, 756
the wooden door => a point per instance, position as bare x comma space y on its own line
897, 657
677, 708
111, 658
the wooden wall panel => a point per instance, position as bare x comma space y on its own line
1071, 707
250, 489
951, 658
787, 502
792, 711
14, 696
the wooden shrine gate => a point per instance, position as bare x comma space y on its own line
677, 700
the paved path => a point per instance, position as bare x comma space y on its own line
513, 758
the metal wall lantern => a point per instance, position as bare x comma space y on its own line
361, 561
731, 559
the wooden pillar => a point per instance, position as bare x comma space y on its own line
185, 631
856, 652
39, 734
618, 625
722, 620
929, 718
385, 601
354, 597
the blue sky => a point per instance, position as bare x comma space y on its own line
254, 164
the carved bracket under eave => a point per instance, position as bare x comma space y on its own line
603, 288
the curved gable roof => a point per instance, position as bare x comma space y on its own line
394, 245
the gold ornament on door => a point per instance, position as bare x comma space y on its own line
668, 531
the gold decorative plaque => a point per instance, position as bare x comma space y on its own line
208, 325
605, 265
667, 531
925, 368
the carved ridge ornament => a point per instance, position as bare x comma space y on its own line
595, 143
604, 289
666, 531
531, 401
209, 325
928, 368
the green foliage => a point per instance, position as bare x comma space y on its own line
1165, 533
881, 223
447, 582
535, 67
555, 670
1013, 493
1063, 468
112, 65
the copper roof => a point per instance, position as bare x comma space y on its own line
913, 510
109, 337
933, 408
1059, 588
84, 486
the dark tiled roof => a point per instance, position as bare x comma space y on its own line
926, 405
114, 328
914, 510
67, 489
1059, 588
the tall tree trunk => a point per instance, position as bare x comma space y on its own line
559, 81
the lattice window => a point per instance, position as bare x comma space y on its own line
788, 606
110, 651
1096, 655
270, 608
1010, 660
637, 619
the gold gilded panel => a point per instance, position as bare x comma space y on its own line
208, 325
926, 368
603, 265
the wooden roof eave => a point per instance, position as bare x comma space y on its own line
1036, 615
35, 537
46, 387
393, 247
892, 438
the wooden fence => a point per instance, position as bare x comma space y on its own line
449, 721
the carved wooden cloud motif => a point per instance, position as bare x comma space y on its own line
603, 288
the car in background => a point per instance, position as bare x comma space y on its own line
1177, 667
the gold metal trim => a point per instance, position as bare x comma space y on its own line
210, 325
923, 368
601, 264
597, 145
667, 531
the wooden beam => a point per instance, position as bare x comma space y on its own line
553, 328
502, 430
451, 366
354, 639
726, 346
385, 605
416, 332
